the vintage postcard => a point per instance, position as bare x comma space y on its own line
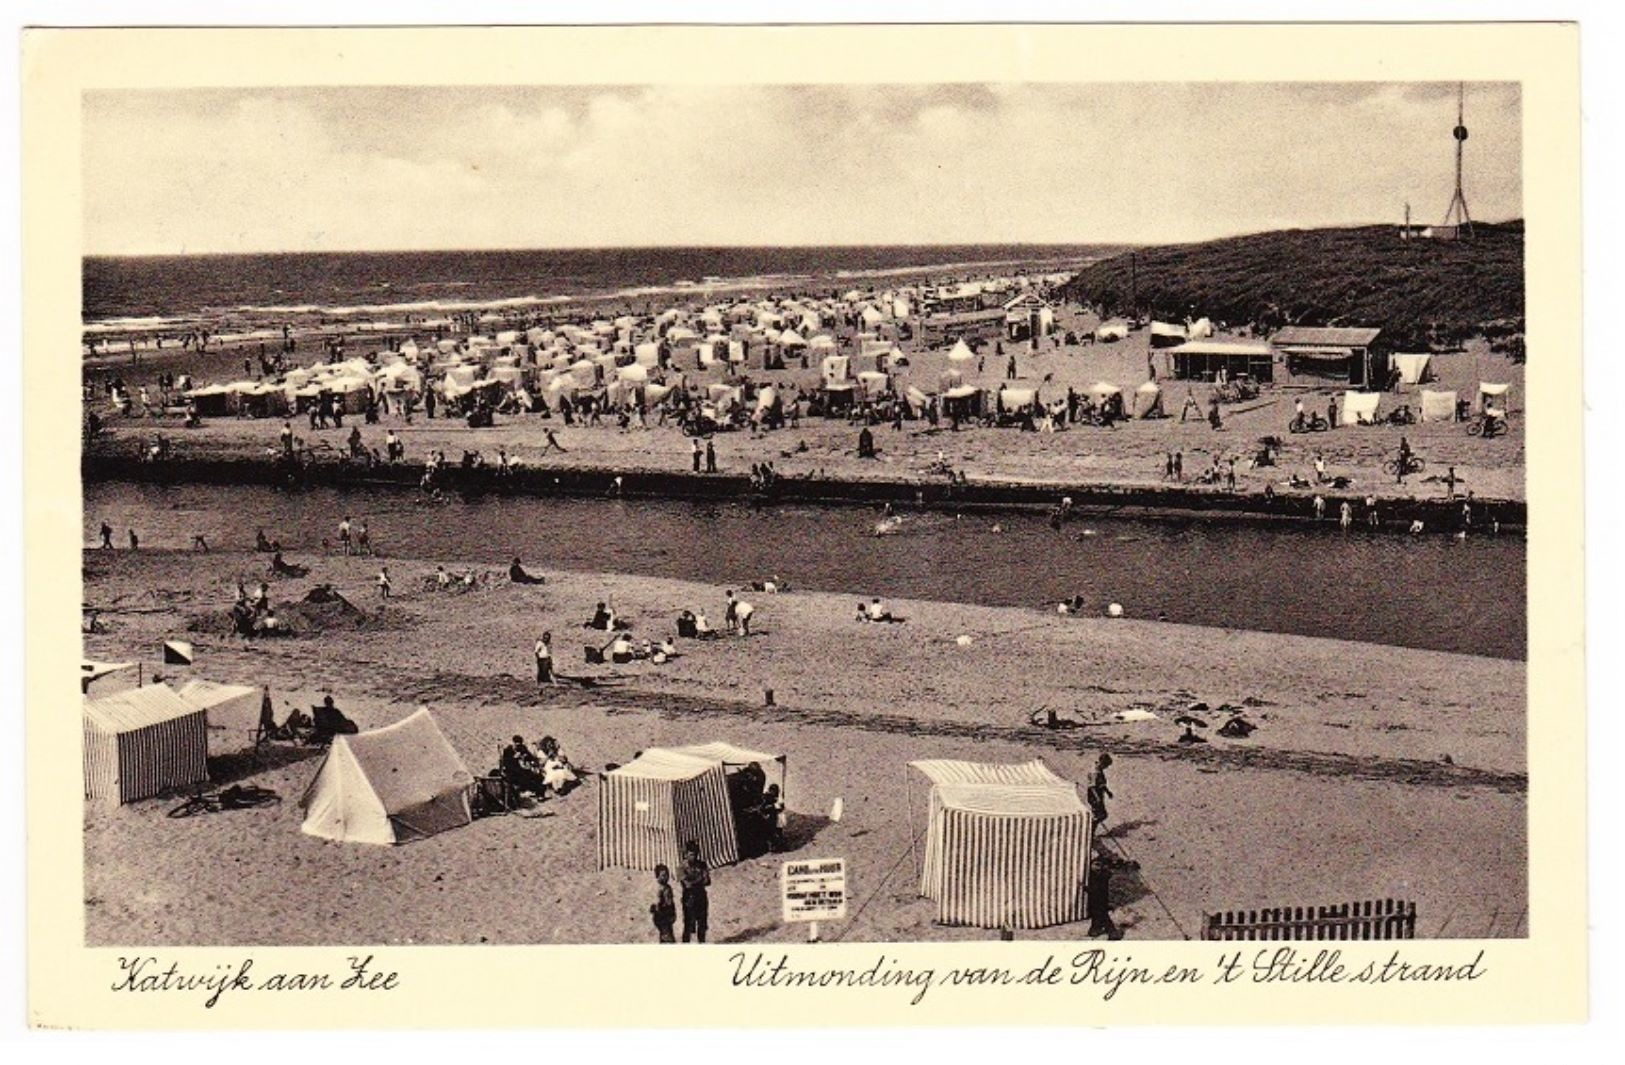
847, 525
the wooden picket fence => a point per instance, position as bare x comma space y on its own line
1371, 919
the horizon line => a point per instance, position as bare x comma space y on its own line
765, 246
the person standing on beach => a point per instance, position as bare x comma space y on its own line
1450, 483
107, 537
1320, 507
344, 534
663, 910
1010, 369
544, 660
383, 582
287, 438
1371, 517
1179, 465
696, 878
1345, 515
710, 457
1331, 412
135, 542
699, 453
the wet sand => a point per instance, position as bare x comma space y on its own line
1343, 793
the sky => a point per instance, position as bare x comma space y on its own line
205, 171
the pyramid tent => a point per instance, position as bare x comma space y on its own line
961, 353
390, 785
1007, 846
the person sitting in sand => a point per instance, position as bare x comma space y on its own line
603, 619
1071, 606
619, 649
281, 568
703, 629
517, 574
557, 771
877, 611
442, 579
329, 721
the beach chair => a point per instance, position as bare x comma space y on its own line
491, 795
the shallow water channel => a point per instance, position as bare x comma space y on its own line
1430, 591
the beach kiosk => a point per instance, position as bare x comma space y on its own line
666, 796
1006, 846
1343, 353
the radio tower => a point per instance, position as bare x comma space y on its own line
1457, 216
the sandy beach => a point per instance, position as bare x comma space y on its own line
1376, 771
1131, 453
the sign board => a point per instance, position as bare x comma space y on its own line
814, 889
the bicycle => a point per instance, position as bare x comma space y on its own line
1487, 427
1412, 465
235, 797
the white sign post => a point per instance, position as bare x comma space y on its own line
814, 890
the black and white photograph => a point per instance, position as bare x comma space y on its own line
708, 514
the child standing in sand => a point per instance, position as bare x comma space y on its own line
664, 908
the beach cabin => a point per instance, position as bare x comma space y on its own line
666, 796
1346, 354
1006, 846
1028, 317
941, 330
1201, 360
142, 742
232, 711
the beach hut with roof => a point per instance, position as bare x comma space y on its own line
141, 742
389, 785
665, 797
1006, 846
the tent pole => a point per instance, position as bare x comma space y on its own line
908, 799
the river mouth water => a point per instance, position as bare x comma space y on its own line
1432, 592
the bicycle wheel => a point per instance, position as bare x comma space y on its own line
1391, 467
197, 804
1475, 429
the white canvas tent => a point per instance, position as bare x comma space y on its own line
1110, 332
389, 785
1413, 369
1438, 406
961, 353
143, 741
1006, 846
232, 711
1490, 395
1148, 400
1358, 408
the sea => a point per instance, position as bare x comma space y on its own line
123, 294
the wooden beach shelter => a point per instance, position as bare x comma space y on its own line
1006, 846
650, 807
389, 785
141, 742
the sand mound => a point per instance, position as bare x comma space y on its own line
322, 610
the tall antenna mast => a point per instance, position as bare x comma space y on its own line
1457, 215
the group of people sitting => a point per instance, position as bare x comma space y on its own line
621, 650
758, 811
538, 775
252, 615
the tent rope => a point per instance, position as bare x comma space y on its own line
1118, 846
853, 920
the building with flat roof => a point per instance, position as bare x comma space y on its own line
1351, 354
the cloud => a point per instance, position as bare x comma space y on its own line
218, 170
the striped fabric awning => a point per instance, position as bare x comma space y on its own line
952, 771
1007, 846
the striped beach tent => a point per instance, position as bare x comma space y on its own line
1006, 846
143, 741
650, 807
